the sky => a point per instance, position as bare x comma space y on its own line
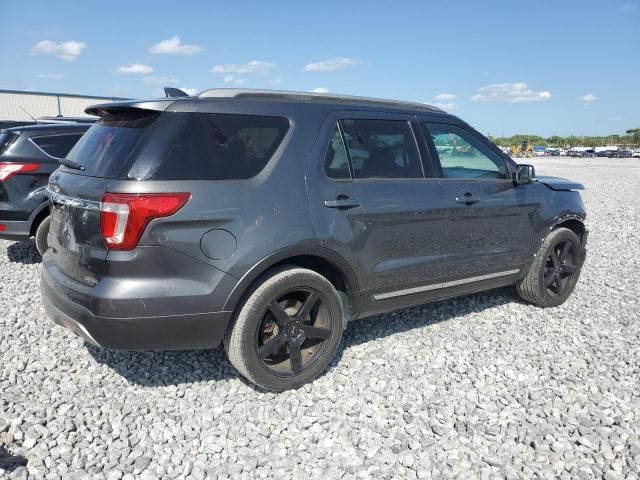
545, 68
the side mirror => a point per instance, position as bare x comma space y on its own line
524, 174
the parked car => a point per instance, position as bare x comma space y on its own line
28, 155
269, 220
636, 154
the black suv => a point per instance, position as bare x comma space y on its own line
28, 155
269, 220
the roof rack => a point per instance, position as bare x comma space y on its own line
310, 96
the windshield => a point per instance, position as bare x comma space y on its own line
106, 146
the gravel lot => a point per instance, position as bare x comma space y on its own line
479, 387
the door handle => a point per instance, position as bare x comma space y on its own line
467, 198
342, 203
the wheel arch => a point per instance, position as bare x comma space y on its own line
319, 259
39, 214
575, 223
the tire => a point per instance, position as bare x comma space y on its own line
550, 266
260, 327
42, 234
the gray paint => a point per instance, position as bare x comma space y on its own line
402, 236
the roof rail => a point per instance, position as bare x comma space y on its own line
61, 119
310, 96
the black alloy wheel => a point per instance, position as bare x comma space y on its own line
555, 270
560, 267
287, 330
294, 332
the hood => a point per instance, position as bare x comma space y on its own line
557, 183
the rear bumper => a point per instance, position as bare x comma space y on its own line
15, 230
172, 332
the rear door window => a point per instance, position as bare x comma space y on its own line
222, 147
105, 148
57, 146
382, 149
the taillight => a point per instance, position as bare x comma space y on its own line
124, 216
8, 170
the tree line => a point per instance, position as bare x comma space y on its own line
631, 138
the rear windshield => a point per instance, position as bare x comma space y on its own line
57, 146
106, 146
6, 139
179, 146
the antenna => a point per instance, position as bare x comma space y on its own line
32, 117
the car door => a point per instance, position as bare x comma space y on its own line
372, 202
490, 218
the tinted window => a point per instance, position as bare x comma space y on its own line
382, 149
57, 146
6, 139
462, 155
336, 162
220, 147
106, 146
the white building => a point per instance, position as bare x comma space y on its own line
23, 106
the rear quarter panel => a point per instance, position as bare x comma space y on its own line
266, 213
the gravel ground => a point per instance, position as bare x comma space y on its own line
478, 387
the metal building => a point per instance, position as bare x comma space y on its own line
20, 107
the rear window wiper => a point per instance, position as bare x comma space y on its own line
71, 164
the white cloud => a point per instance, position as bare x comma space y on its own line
332, 64
320, 90
68, 51
254, 66
51, 76
446, 105
135, 68
445, 96
189, 91
234, 79
173, 46
588, 98
510, 92
166, 81
275, 81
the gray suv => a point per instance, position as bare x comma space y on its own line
268, 220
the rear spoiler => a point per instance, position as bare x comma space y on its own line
136, 105
131, 106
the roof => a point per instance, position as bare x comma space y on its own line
259, 94
50, 128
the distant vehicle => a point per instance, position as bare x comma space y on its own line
28, 155
636, 153
539, 151
268, 220
552, 152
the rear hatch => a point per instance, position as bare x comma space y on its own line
77, 187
